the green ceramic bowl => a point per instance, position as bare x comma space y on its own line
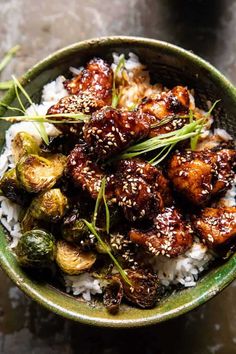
170, 65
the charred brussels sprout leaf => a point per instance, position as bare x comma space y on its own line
36, 249
49, 206
113, 295
72, 260
24, 144
101, 249
35, 173
28, 222
11, 188
58, 161
75, 231
145, 288
60, 144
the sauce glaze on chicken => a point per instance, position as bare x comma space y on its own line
152, 200
154, 210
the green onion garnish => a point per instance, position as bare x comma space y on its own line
40, 126
115, 95
69, 118
92, 227
162, 140
194, 139
5, 85
106, 248
8, 57
166, 142
72, 117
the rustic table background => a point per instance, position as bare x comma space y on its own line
207, 27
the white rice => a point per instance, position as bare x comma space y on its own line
9, 216
221, 133
184, 269
83, 284
131, 64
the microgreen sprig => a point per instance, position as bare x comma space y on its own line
5, 85
162, 140
92, 227
8, 57
106, 248
166, 142
115, 94
167, 120
212, 108
39, 125
72, 118
194, 139
39, 120
102, 196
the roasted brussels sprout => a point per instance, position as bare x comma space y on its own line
71, 260
113, 295
11, 188
101, 249
36, 249
29, 223
24, 144
75, 231
50, 205
58, 161
62, 144
35, 173
145, 289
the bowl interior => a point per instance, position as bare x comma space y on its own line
171, 66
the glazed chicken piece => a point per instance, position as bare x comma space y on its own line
124, 248
96, 78
166, 104
110, 130
223, 166
169, 236
84, 172
216, 226
85, 103
140, 189
201, 175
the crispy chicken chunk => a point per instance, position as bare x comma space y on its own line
82, 103
110, 130
201, 175
169, 236
216, 226
141, 189
96, 78
166, 104
83, 171
223, 166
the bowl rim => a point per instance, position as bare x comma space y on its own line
86, 319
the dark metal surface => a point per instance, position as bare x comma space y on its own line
206, 27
